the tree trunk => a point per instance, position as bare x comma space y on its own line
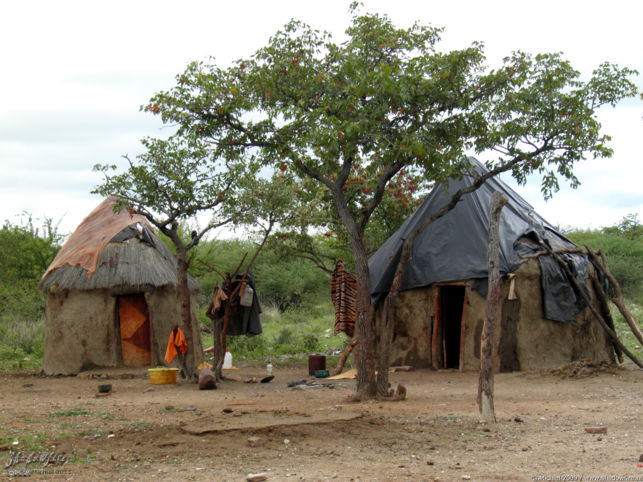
386, 321
218, 353
492, 312
364, 327
183, 293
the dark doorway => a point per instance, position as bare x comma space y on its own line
451, 303
134, 324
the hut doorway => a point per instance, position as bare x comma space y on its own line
447, 334
134, 321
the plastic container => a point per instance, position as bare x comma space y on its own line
269, 368
247, 297
227, 360
162, 376
316, 362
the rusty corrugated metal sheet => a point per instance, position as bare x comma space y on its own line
92, 235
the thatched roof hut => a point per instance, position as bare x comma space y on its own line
111, 295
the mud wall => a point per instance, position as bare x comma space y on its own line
414, 314
543, 343
524, 341
81, 330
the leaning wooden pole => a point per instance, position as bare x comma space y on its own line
593, 309
605, 312
492, 312
342, 359
617, 299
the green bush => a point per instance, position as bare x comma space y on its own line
292, 335
285, 336
248, 348
21, 299
27, 251
310, 342
26, 336
22, 344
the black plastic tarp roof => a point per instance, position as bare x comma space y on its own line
454, 247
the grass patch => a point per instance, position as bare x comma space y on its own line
66, 425
72, 412
31, 442
448, 418
75, 459
624, 331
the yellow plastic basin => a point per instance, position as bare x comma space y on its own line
162, 376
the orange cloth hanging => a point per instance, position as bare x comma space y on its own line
177, 343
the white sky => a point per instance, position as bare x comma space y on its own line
74, 73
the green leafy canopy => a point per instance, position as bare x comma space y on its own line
385, 100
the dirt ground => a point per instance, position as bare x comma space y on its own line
176, 432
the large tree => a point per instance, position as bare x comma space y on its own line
384, 102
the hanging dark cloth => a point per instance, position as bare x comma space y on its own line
244, 320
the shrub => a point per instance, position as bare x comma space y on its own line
248, 348
310, 342
22, 344
26, 336
290, 335
285, 337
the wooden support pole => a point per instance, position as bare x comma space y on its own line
595, 312
342, 359
492, 312
605, 309
617, 299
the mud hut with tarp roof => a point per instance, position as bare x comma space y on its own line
439, 313
111, 296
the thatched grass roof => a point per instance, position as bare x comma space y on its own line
89, 261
